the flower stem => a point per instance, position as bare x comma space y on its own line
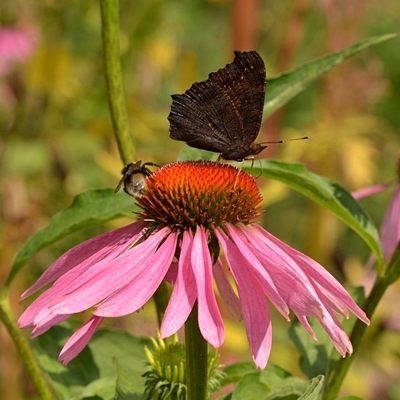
377, 292
27, 356
161, 299
112, 69
196, 358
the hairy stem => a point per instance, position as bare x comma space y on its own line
112, 71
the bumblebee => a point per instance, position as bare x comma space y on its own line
134, 177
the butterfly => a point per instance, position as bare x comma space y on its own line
223, 113
134, 178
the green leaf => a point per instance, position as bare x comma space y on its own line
314, 389
272, 383
96, 370
190, 153
250, 387
273, 374
326, 193
351, 398
235, 372
315, 357
125, 389
289, 389
284, 87
320, 358
88, 209
287, 85
285, 387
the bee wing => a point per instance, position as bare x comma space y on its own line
119, 184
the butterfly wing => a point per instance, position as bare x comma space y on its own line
198, 117
243, 83
223, 113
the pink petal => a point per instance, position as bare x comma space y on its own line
370, 190
42, 302
331, 289
172, 273
46, 324
89, 252
134, 295
268, 284
254, 305
108, 276
317, 273
184, 294
390, 228
303, 320
335, 331
77, 342
210, 321
226, 291
293, 284
57, 292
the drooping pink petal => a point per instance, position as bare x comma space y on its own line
184, 294
88, 253
226, 291
335, 330
209, 317
107, 276
339, 298
390, 228
79, 340
294, 285
39, 311
269, 286
45, 324
300, 266
134, 295
370, 190
303, 320
314, 271
45, 300
254, 305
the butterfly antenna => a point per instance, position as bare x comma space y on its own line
287, 140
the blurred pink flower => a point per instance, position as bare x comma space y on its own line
16, 46
389, 232
190, 210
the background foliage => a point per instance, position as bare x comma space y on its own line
56, 136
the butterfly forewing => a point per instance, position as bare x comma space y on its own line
243, 83
223, 113
198, 117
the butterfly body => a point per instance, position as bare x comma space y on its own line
223, 113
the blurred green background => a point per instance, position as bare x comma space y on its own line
56, 136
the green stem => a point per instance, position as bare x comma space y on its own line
196, 358
112, 67
161, 298
26, 354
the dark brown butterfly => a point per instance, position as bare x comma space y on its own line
134, 178
223, 113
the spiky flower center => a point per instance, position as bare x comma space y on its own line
191, 193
